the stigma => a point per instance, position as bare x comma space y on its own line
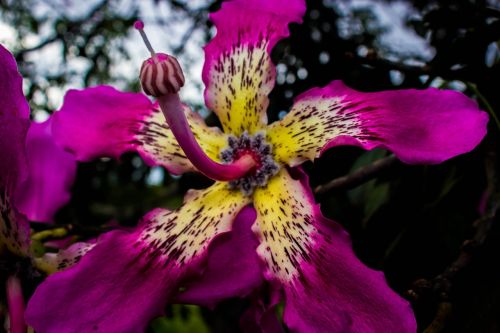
256, 147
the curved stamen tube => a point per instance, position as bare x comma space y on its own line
162, 77
172, 109
15, 302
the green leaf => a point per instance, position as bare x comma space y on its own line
185, 319
373, 194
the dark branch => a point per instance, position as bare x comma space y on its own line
441, 285
374, 60
50, 40
358, 177
442, 315
75, 29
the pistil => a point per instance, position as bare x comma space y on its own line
162, 77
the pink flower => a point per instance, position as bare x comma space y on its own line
35, 179
258, 224
35, 172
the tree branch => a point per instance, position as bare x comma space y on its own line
20, 55
442, 315
357, 177
441, 285
373, 59
75, 29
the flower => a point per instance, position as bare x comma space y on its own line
35, 179
14, 124
36, 173
258, 224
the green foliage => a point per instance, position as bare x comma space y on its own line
184, 319
373, 194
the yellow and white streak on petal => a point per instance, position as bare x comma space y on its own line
284, 225
186, 232
55, 262
308, 127
159, 142
240, 81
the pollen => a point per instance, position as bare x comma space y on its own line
257, 147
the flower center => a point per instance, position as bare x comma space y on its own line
257, 147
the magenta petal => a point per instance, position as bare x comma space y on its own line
126, 279
100, 121
104, 122
51, 175
238, 72
13, 163
326, 288
419, 126
249, 22
338, 293
335, 292
232, 269
14, 123
112, 289
12, 100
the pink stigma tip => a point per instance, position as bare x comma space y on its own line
139, 25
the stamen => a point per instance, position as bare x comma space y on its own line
254, 145
139, 26
162, 77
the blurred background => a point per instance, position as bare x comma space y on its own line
432, 229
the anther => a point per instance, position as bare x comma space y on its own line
251, 145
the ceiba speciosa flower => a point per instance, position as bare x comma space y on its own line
257, 230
